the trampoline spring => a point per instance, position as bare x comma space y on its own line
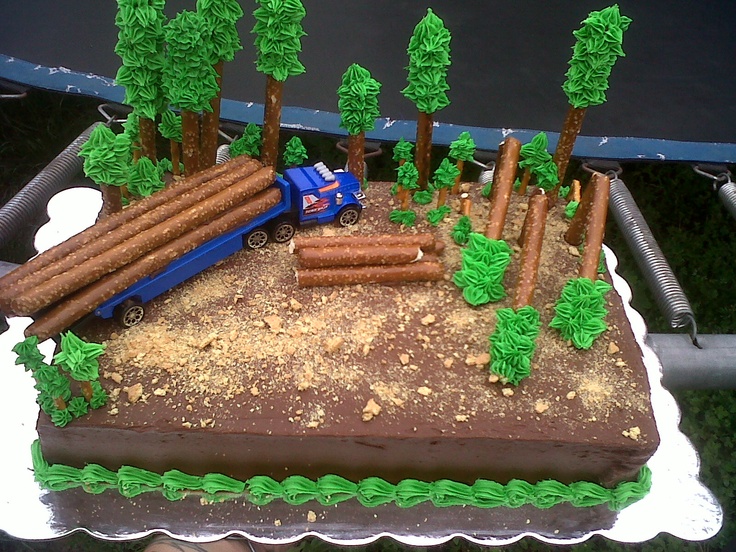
727, 194
668, 293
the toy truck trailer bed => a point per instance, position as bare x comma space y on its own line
309, 195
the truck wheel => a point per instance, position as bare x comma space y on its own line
283, 232
129, 313
256, 239
348, 216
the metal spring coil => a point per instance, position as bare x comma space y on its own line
26, 204
668, 293
727, 194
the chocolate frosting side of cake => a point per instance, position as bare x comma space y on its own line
240, 372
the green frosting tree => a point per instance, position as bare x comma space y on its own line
170, 128
107, 160
79, 359
295, 152
189, 79
145, 178
461, 150
444, 179
131, 128
429, 58
221, 36
358, 105
406, 181
402, 151
249, 143
597, 48
581, 311
484, 263
533, 155
278, 32
141, 49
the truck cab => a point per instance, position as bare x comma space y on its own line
319, 195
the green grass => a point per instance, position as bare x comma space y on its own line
694, 230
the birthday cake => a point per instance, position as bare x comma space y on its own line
451, 347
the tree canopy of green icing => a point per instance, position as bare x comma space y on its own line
145, 178
537, 159
278, 32
407, 176
445, 175
189, 78
131, 126
358, 103
79, 358
170, 126
484, 264
107, 157
429, 59
402, 151
463, 148
596, 50
141, 48
329, 490
513, 343
580, 311
221, 35
461, 231
249, 143
294, 153
28, 353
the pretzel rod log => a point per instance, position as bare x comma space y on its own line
414, 272
92, 269
358, 255
426, 241
531, 251
579, 222
503, 184
89, 298
132, 228
596, 227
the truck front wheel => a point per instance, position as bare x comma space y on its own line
348, 216
256, 239
129, 313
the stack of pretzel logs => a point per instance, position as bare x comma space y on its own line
384, 258
65, 283
588, 222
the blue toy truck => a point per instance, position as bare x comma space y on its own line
309, 195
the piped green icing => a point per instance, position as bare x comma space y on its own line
435, 216
595, 52
295, 153
407, 218
580, 311
463, 148
222, 35
535, 152
145, 178
79, 358
107, 157
78, 407
429, 58
461, 230
170, 126
190, 81
571, 208
402, 151
484, 264
513, 343
278, 37
358, 100
60, 418
249, 143
423, 197
445, 175
28, 353
332, 489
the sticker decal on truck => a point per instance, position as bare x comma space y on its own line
312, 204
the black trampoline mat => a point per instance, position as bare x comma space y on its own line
676, 82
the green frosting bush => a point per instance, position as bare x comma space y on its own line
513, 343
580, 311
435, 216
145, 178
407, 218
484, 264
461, 231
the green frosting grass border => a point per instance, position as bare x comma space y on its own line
332, 489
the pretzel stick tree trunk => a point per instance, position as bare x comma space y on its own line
503, 184
531, 250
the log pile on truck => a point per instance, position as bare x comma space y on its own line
65, 283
